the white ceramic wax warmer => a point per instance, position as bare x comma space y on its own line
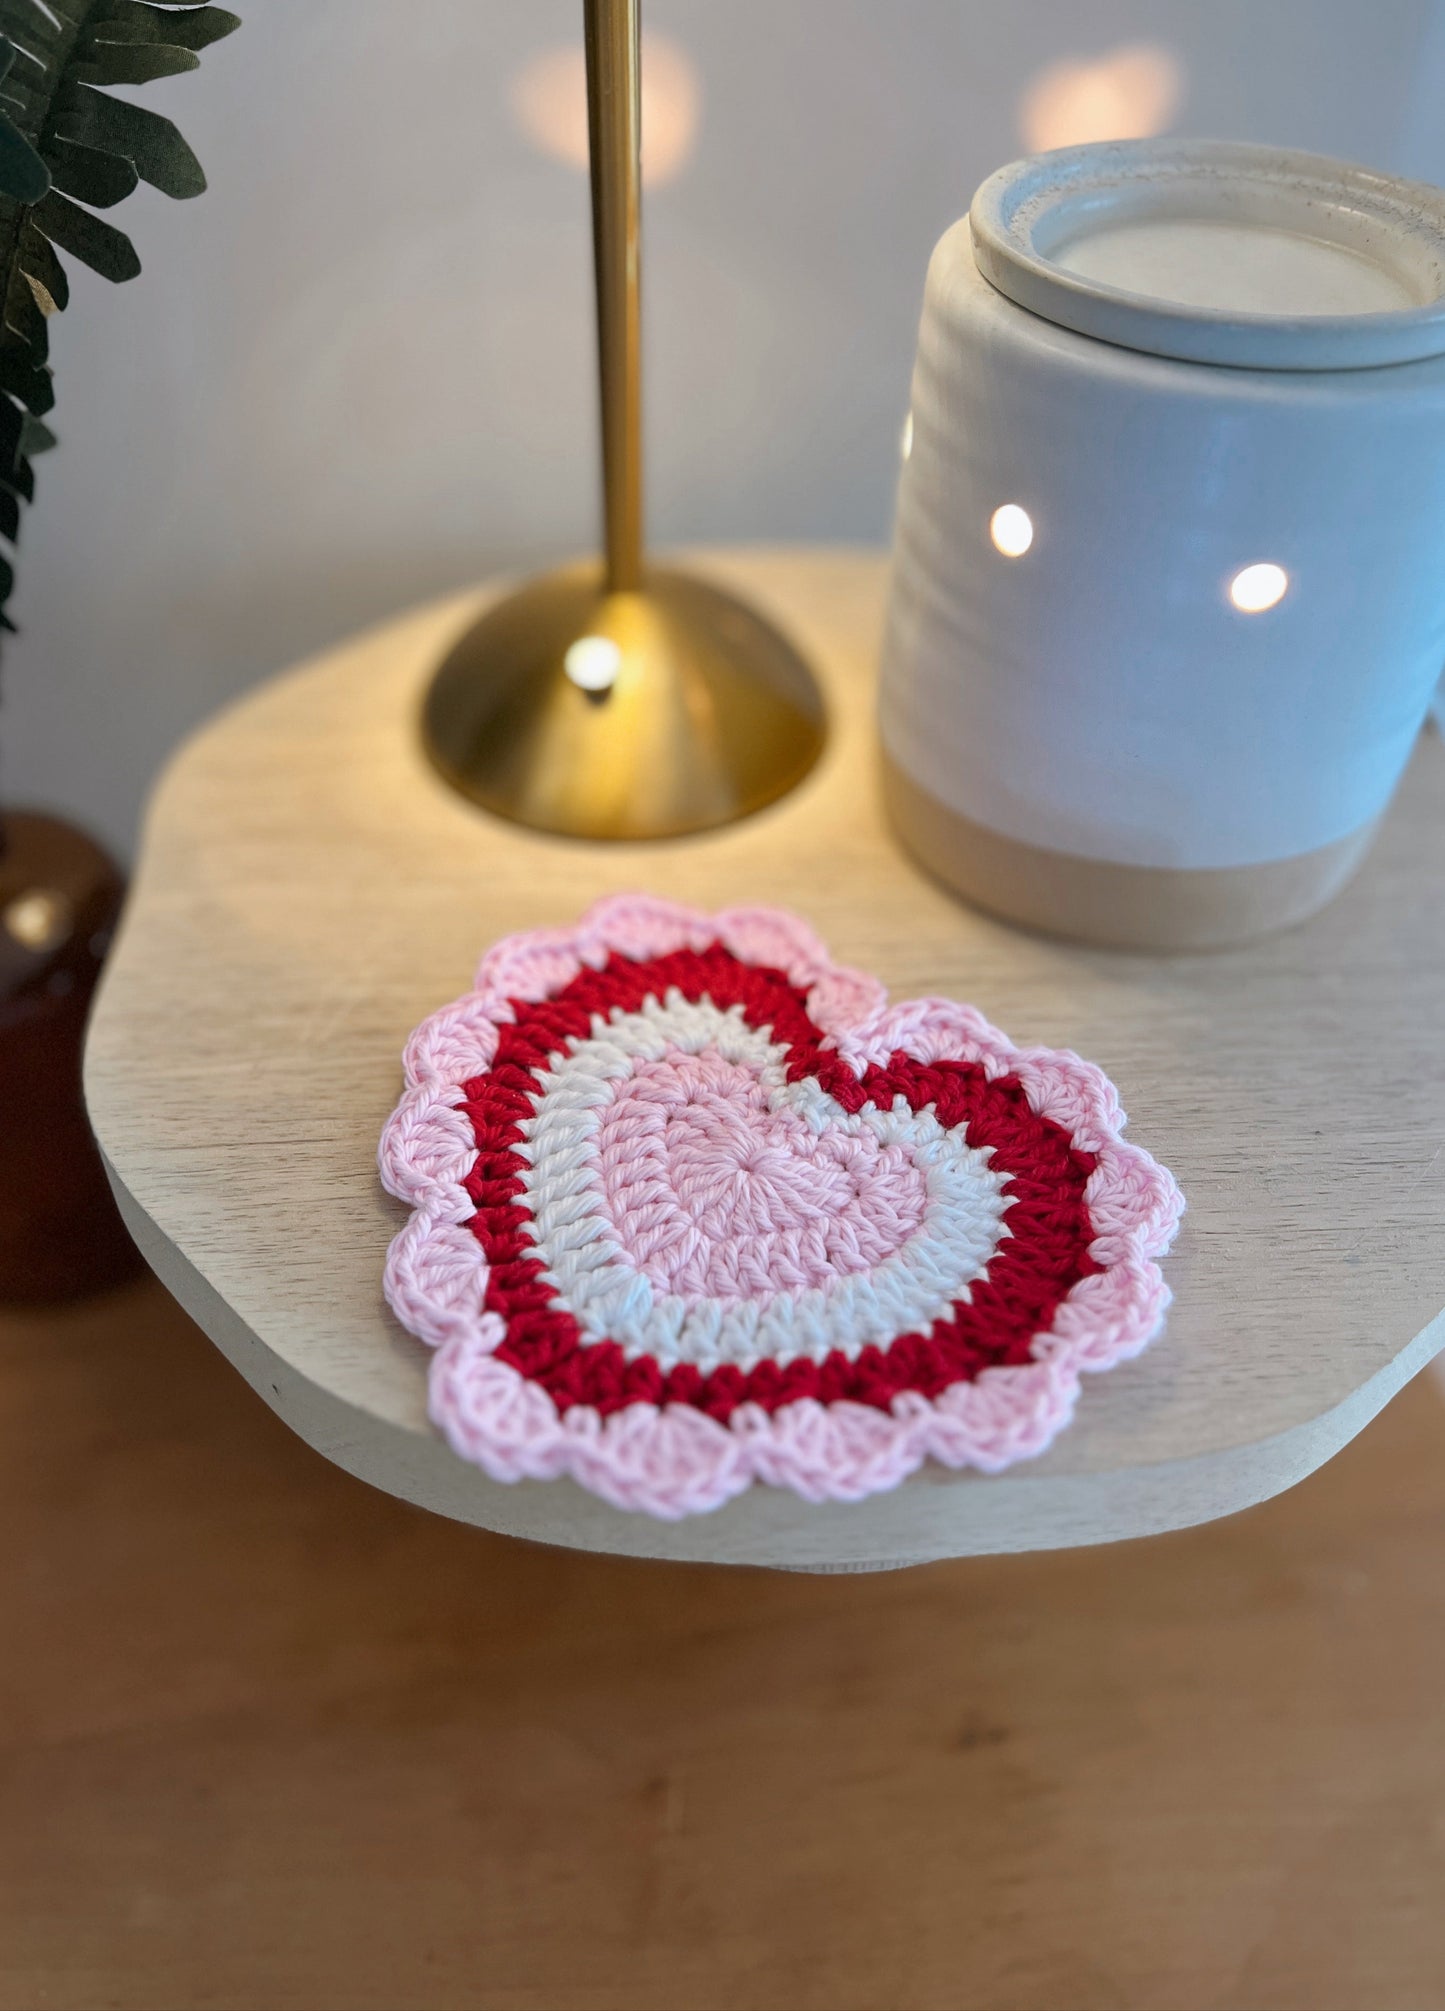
1168, 601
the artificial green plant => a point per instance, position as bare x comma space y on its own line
67, 149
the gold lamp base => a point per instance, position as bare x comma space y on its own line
642, 714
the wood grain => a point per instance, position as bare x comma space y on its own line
309, 890
273, 1741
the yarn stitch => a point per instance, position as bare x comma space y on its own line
693, 1207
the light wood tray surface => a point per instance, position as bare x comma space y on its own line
309, 889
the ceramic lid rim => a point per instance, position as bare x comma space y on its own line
1024, 207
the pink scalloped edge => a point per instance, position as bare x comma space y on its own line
672, 1460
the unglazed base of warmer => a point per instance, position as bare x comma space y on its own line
1125, 907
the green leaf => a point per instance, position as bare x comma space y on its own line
11, 420
30, 71
71, 12
35, 436
89, 175
34, 388
23, 322
131, 63
43, 269
149, 29
99, 245
53, 56
196, 28
152, 144
23, 175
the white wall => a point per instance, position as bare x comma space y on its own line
359, 370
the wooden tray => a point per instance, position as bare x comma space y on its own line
309, 889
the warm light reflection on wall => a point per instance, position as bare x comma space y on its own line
549, 104
1129, 94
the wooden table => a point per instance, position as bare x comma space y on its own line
273, 1741
309, 889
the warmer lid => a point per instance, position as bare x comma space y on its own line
1220, 252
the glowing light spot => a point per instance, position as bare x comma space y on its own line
593, 662
1255, 588
1012, 530
905, 444
1129, 94
37, 920
549, 104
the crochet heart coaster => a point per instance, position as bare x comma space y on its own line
693, 1207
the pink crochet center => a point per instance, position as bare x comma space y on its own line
673, 1460
738, 1201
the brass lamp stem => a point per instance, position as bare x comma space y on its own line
605, 702
614, 125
